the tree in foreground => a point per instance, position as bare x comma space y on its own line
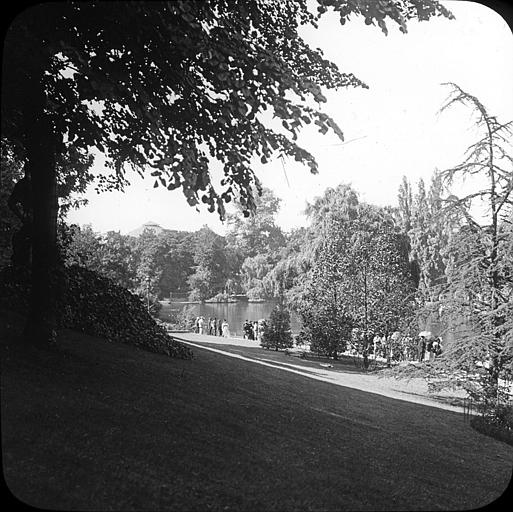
277, 334
11, 172
165, 88
478, 295
360, 276
427, 230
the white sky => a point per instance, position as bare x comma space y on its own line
395, 121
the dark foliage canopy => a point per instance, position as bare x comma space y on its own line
176, 85
169, 88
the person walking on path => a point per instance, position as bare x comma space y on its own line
421, 348
226, 329
429, 350
200, 325
260, 330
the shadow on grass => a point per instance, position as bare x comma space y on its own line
455, 401
98, 425
480, 424
343, 365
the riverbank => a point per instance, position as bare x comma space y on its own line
235, 313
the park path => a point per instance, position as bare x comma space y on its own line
341, 373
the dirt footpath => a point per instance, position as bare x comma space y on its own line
342, 372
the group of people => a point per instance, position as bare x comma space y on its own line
253, 330
408, 348
396, 347
428, 348
212, 326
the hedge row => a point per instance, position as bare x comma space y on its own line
95, 305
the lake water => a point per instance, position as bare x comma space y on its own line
234, 313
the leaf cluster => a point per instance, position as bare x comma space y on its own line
175, 86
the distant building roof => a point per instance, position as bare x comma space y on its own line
153, 226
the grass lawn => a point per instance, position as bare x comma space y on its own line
92, 425
342, 371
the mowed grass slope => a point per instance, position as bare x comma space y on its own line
93, 425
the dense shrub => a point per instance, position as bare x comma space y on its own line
277, 334
95, 305
501, 430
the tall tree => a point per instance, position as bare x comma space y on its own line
320, 295
165, 86
118, 259
253, 243
211, 265
288, 273
421, 219
405, 201
11, 171
258, 233
83, 247
111, 254
321, 301
178, 263
380, 283
361, 278
254, 276
478, 299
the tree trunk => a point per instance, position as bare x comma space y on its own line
41, 153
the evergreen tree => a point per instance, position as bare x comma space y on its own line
428, 235
477, 295
277, 334
405, 205
323, 305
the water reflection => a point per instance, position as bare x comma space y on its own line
234, 313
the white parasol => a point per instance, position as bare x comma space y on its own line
425, 334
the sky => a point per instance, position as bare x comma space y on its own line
391, 130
